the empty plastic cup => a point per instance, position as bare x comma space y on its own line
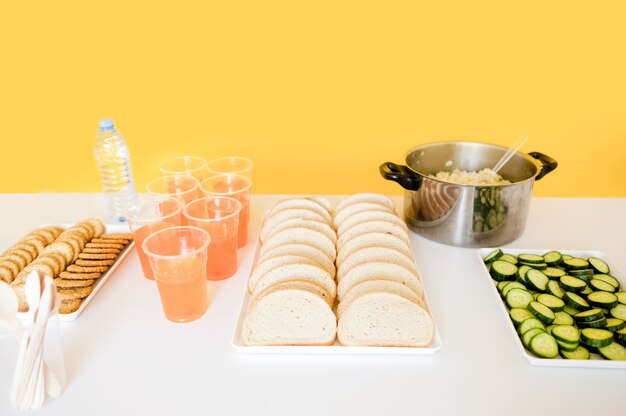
231, 165
185, 165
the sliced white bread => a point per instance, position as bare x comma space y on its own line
375, 254
300, 235
366, 216
272, 263
372, 240
299, 203
366, 197
385, 319
304, 250
372, 227
350, 210
306, 272
289, 317
380, 270
282, 216
320, 226
299, 285
377, 285
324, 202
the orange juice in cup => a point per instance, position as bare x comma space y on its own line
230, 165
219, 216
185, 165
178, 258
234, 186
149, 215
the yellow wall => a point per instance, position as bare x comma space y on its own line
317, 93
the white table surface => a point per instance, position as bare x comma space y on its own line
123, 357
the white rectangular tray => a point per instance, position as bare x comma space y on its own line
336, 348
110, 228
596, 361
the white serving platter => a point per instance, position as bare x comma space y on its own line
596, 360
336, 348
110, 228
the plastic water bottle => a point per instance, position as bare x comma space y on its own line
114, 163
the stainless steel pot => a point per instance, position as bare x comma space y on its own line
467, 215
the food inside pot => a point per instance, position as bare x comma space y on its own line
483, 177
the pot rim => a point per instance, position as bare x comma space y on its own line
525, 155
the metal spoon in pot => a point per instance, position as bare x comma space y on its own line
509, 153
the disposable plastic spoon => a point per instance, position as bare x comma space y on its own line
509, 153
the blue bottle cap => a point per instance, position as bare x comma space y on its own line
106, 124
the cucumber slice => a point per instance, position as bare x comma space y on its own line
501, 285
541, 312
567, 257
530, 334
502, 270
575, 301
553, 272
619, 312
597, 284
580, 353
596, 337
519, 315
563, 318
572, 284
551, 301
603, 300
570, 310
544, 345
530, 259
566, 333
613, 351
621, 335
575, 264
599, 265
521, 273
537, 280
589, 315
600, 323
511, 286
494, 255
518, 298
584, 274
552, 258
537, 266
566, 346
554, 289
621, 297
508, 258
614, 324
529, 324
607, 278
586, 291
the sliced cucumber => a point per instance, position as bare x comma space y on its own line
553, 272
570, 310
563, 318
537, 279
599, 323
544, 345
541, 312
567, 257
501, 285
530, 259
621, 335
551, 301
619, 312
584, 274
621, 297
566, 333
494, 255
613, 351
508, 257
519, 315
502, 270
599, 265
575, 301
603, 300
518, 298
553, 258
530, 334
511, 286
614, 324
580, 353
586, 291
572, 284
529, 324
596, 337
575, 264
537, 266
521, 273
607, 278
566, 346
601, 285
554, 289
589, 315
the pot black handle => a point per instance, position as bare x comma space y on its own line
401, 174
548, 163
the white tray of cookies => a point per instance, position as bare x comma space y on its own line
81, 257
358, 224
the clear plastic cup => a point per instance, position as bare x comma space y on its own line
230, 165
148, 215
178, 258
177, 186
234, 186
195, 166
219, 216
